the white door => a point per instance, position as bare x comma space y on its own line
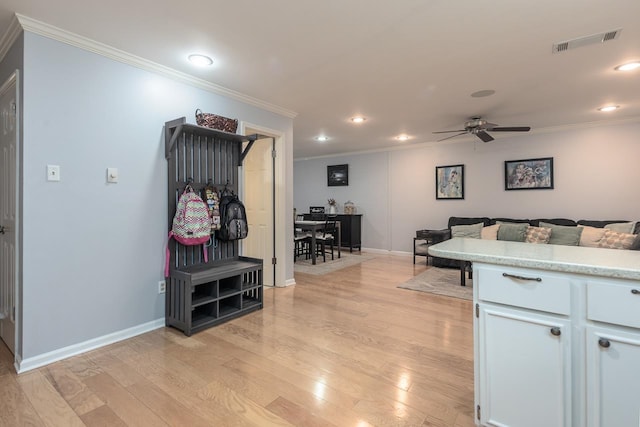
613, 359
8, 147
258, 200
524, 369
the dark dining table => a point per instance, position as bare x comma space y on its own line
314, 227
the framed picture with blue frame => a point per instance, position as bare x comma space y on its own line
450, 182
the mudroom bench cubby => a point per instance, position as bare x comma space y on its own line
204, 295
200, 293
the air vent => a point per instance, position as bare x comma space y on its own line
585, 41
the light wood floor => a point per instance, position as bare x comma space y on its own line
344, 349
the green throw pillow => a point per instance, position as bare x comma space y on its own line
471, 231
563, 234
512, 232
622, 227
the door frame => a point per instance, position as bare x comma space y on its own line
14, 80
278, 167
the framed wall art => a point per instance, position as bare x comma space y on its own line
450, 182
337, 175
529, 174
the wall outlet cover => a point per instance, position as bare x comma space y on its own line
53, 173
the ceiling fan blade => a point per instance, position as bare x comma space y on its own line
511, 129
447, 131
484, 136
452, 136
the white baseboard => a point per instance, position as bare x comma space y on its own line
75, 349
375, 251
290, 282
386, 252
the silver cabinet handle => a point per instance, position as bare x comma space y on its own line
555, 331
604, 343
514, 276
635, 291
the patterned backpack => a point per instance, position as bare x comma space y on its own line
191, 224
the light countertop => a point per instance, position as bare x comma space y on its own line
615, 263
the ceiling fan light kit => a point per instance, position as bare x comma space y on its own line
478, 127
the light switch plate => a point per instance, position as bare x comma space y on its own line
112, 175
53, 173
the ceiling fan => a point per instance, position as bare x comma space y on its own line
479, 126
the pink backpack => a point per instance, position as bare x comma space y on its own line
191, 224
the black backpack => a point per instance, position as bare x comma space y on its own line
233, 218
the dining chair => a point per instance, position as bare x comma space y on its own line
326, 238
301, 241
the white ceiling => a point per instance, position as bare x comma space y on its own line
409, 66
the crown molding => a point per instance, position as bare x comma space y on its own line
9, 37
49, 31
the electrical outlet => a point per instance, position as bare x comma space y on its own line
162, 287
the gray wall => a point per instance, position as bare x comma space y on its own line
596, 176
94, 252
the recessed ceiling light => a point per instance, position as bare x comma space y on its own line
483, 93
200, 60
322, 138
608, 108
358, 119
402, 137
628, 66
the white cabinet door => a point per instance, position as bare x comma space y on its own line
524, 368
613, 378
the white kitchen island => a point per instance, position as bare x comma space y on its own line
556, 333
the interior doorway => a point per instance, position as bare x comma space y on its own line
259, 183
8, 210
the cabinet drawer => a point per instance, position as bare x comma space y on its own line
525, 288
617, 303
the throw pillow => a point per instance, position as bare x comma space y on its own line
490, 232
621, 227
538, 235
471, 231
591, 236
635, 246
615, 240
512, 232
563, 235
